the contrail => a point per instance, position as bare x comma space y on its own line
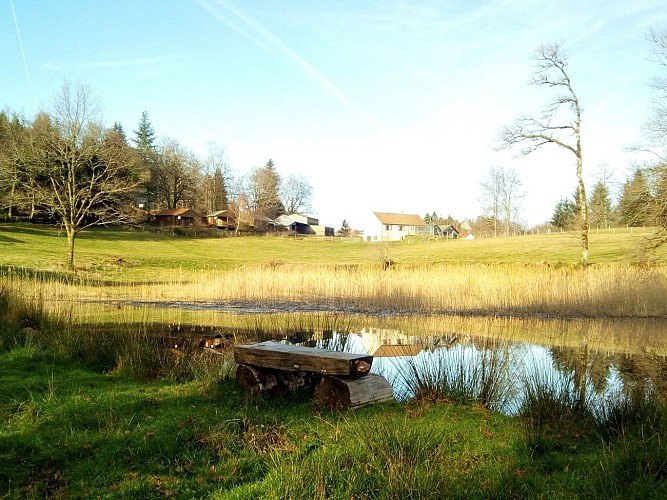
25, 64
267, 40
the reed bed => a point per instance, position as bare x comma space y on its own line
502, 289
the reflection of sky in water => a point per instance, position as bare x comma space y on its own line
521, 362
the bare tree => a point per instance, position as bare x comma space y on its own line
655, 129
296, 193
551, 127
177, 173
216, 179
511, 197
85, 172
492, 188
501, 194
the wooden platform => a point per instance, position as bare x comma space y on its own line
341, 380
293, 358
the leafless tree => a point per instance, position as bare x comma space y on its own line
655, 129
217, 178
296, 193
501, 194
492, 195
177, 174
559, 125
85, 175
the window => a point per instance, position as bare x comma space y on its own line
400, 228
387, 227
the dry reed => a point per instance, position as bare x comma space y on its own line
510, 290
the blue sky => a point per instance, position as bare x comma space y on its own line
383, 105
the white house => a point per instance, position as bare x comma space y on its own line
384, 226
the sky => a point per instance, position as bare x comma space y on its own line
383, 105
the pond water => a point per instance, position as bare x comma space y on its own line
600, 357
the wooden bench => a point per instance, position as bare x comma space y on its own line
341, 380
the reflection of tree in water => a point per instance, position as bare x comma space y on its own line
633, 370
570, 359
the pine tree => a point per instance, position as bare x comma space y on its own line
144, 140
565, 214
600, 206
635, 204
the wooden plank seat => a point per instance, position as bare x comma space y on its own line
341, 380
293, 358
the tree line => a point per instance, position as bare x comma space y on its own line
66, 166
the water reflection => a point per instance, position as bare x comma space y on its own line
495, 370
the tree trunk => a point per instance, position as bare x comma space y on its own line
583, 211
71, 234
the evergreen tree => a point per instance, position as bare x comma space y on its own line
635, 204
118, 128
565, 214
144, 137
344, 228
144, 141
659, 211
600, 206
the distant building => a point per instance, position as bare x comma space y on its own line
385, 226
220, 218
303, 224
176, 217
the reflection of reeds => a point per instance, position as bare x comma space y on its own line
502, 289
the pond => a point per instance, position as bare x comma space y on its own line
495, 358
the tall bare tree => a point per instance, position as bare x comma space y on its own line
656, 131
85, 172
558, 125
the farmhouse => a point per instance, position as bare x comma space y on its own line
176, 217
385, 226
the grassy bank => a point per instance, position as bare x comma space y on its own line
102, 413
70, 430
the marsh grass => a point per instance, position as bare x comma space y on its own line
551, 408
462, 374
501, 289
632, 424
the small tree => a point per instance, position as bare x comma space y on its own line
344, 229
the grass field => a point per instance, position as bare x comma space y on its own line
98, 250
91, 407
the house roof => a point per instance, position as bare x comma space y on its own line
400, 219
218, 213
175, 212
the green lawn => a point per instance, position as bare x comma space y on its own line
43, 248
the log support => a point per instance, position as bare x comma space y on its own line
334, 393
